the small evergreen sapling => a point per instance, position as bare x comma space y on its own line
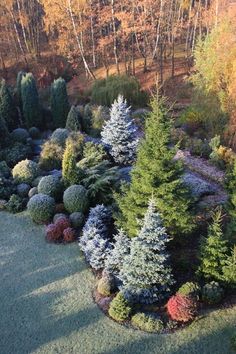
229, 270
8, 109
213, 250
59, 103
96, 229
146, 274
74, 118
115, 258
119, 133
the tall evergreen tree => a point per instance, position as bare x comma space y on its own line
59, 103
156, 173
119, 133
231, 205
8, 109
30, 101
213, 250
115, 257
73, 121
18, 87
146, 274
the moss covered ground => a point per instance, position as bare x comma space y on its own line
46, 304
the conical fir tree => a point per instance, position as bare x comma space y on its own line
59, 103
74, 118
156, 173
231, 205
146, 274
229, 270
18, 87
115, 258
8, 109
30, 101
119, 133
213, 251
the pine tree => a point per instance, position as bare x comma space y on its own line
115, 257
146, 273
229, 270
8, 109
59, 103
73, 121
70, 172
156, 173
97, 250
30, 101
213, 250
119, 133
97, 226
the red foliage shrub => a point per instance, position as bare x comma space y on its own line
62, 224
53, 233
69, 235
181, 308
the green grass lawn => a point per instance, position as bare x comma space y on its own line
46, 304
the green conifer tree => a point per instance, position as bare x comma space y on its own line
156, 173
8, 109
18, 87
4, 134
229, 270
213, 250
231, 205
146, 274
70, 172
30, 101
59, 103
73, 122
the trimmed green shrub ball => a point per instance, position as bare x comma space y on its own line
34, 133
20, 135
75, 199
25, 171
59, 136
77, 219
50, 185
212, 293
120, 309
41, 208
147, 322
23, 190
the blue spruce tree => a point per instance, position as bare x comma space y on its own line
146, 274
119, 133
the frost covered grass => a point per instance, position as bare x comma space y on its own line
47, 307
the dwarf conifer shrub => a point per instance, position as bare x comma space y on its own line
59, 103
30, 101
212, 293
182, 308
77, 219
53, 233
51, 156
16, 204
74, 120
147, 322
69, 235
120, 308
20, 135
229, 270
62, 223
4, 133
190, 289
75, 199
52, 186
59, 136
25, 171
106, 285
41, 208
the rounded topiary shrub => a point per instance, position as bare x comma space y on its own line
51, 185
52, 233
77, 219
20, 135
106, 285
75, 199
34, 133
120, 309
62, 223
69, 235
147, 322
25, 171
212, 293
182, 308
190, 289
41, 208
59, 136
23, 190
